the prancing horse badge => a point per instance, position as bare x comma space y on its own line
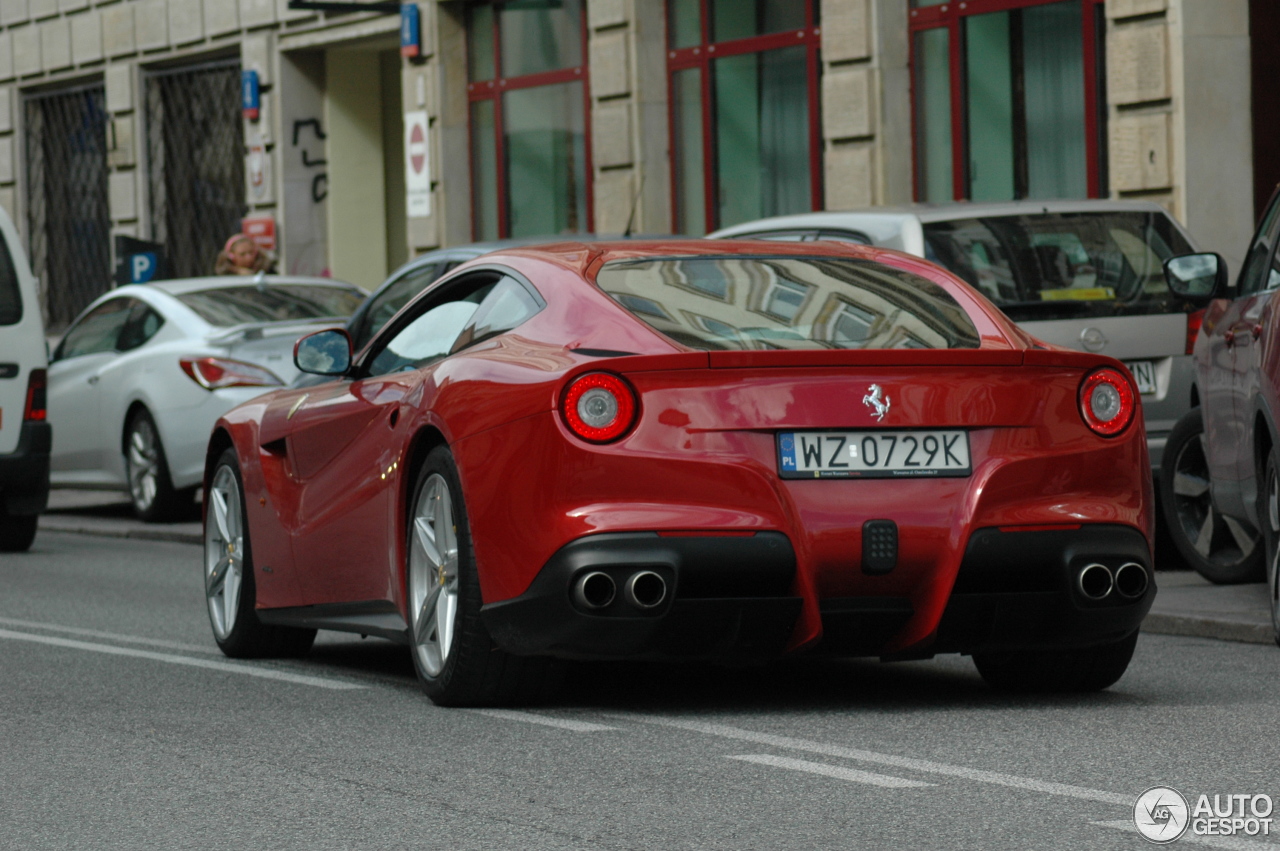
874, 401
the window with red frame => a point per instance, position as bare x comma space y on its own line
530, 152
1007, 99
743, 87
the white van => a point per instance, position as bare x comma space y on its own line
25, 435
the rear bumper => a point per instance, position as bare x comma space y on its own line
734, 596
726, 597
1021, 591
24, 473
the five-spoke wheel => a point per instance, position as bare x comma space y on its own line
1220, 548
229, 587
433, 575
223, 551
457, 662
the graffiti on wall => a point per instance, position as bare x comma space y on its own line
320, 181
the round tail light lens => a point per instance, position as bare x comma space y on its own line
599, 407
1107, 402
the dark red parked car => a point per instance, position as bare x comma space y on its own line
1227, 478
682, 449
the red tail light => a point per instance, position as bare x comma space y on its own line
1107, 402
599, 407
1194, 320
36, 384
214, 373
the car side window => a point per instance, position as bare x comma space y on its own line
1259, 271
430, 335
97, 331
507, 305
387, 303
141, 326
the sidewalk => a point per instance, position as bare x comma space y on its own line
1186, 604
109, 514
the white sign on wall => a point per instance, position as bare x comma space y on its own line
417, 165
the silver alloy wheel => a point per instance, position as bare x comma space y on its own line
1216, 537
144, 462
223, 551
433, 575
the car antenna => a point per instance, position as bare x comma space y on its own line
635, 201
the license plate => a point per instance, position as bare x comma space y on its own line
872, 454
1144, 375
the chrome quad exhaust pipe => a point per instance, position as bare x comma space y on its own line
1095, 581
1131, 580
646, 590
594, 590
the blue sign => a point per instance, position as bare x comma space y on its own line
250, 97
410, 30
142, 267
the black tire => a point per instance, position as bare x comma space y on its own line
235, 623
16, 532
459, 664
1222, 549
1042, 671
147, 472
1269, 514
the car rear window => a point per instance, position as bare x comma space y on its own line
227, 306
10, 295
737, 302
1062, 265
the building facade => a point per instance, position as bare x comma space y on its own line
508, 119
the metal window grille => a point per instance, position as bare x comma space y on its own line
195, 150
67, 214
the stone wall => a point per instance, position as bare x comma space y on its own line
1179, 114
628, 121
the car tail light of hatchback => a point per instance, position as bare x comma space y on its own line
214, 373
599, 407
37, 383
1107, 402
1194, 320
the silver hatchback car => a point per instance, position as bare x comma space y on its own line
1083, 274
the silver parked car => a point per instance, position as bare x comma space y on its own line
141, 376
1083, 274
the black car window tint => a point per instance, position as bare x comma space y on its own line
96, 331
141, 326
430, 334
845, 236
1256, 261
387, 303
507, 305
1062, 265
10, 295
780, 235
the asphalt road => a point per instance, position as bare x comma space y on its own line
122, 727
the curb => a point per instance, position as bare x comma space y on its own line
177, 536
1197, 627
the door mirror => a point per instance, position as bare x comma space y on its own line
324, 352
1198, 278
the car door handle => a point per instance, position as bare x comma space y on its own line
93, 379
